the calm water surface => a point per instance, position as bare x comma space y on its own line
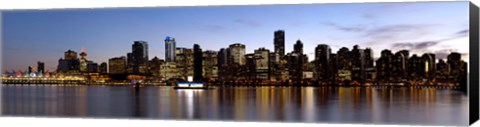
418, 106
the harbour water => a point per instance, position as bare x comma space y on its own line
412, 106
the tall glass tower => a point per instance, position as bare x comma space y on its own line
170, 49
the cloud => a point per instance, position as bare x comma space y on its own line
214, 28
355, 28
415, 45
250, 23
462, 33
442, 54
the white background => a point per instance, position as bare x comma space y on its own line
77, 122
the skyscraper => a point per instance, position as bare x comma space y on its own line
40, 67
170, 49
70, 55
237, 54
298, 47
83, 61
184, 62
262, 63
154, 67
71, 64
279, 43
103, 68
384, 66
209, 65
138, 60
322, 59
197, 63
358, 64
117, 65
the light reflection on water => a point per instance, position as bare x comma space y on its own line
425, 106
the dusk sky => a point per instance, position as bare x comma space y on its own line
44, 35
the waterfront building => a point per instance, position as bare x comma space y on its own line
71, 64
358, 64
184, 62
197, 63
262, 63
442, 71
399, 67
40, 67
103, 68
70, 55
236, 54
251, 67
83, 61
279, 44
384, 66
457, 67
344, 65
296, 62
117, 65
154, 67
169, 70
170, 49
428, 67
333, 68
322, 60
222, 64
92, 67
209, 65
139, 58
414, 68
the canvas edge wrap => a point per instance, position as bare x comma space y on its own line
1, 58
473, 90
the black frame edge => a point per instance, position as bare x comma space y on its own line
473, 91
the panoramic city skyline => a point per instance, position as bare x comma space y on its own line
108, 33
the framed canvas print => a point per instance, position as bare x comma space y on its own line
397, 63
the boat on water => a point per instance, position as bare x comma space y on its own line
191, 85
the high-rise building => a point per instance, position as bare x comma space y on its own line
369, 61
428, 66
154, 67
83, 61
40, 67
169, 70
198, 61
250, 72
138, 58
71, 64
30, 70
358, 64
184, 62
333, 69
399, 67
296, 62
414, 69
279, 43
92, 67
457, 67
70, 55
322, 59
209, 65
298, 47
117, 65
236, 54
262, 63
103, 68
222, 63
384, 66
170, 49
442, 71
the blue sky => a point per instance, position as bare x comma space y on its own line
43, 35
